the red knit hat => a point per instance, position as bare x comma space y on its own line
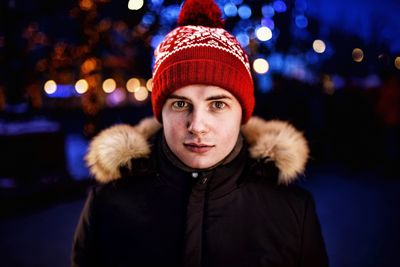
200, 51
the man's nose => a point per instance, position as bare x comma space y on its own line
197, 123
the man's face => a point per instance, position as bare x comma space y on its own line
201, 124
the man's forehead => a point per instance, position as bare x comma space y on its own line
201, 92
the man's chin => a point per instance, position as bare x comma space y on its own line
199, 164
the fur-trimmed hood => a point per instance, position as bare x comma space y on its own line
268, 140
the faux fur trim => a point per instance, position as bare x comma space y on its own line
116, 146
268, 140
280, 142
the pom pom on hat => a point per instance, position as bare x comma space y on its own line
200, 13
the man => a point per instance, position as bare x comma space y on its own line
208, 184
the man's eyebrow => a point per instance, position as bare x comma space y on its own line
177, 97
214, 97
218, 97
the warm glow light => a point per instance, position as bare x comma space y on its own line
132, 85
50, 87
135, 4
260, 66
141, 94
357, 54
81, 86
264, 33
149, 84
86, 4
89, 65
328, 85
319, 46
397, 63
109, 85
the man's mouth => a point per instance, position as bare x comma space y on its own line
198, 147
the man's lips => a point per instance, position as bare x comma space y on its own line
198, 147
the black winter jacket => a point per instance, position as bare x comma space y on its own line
151, 212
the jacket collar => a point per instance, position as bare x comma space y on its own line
218, 180
275, 141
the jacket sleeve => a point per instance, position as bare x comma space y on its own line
313, 251
83, 241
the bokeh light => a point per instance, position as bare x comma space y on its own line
260, 66
109, 85
357, 54
263, 33
397, 63
237, 2
86, 4
148, 19
243, 39
268, 11
230, 10
132, 85
244, 11
50, 87
81, 86
141, 94
149, 84
116, 98
88, 65
301, 5
279, 6
301, 21
135, 4
268, 22
319, 46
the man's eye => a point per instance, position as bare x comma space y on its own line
218, 105
180, 105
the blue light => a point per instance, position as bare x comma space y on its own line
301, 5
64, 91
338, 81
148, 19
244, 11
279, 6
301, 21
276, 62
267, 11
170, 14
230, 10
264, 83
268, 23
157, 2
244, 25
237, 2
243, 39
157, 39
311, 57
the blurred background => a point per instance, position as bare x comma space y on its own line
70, 68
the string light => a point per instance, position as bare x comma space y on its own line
149, 84
132, 85
260, 66
135, 4
397, 63
230, 10
109, 85
141, 94
244, 11
81, 86
264, 33
357, 54
319, 46
50, 87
